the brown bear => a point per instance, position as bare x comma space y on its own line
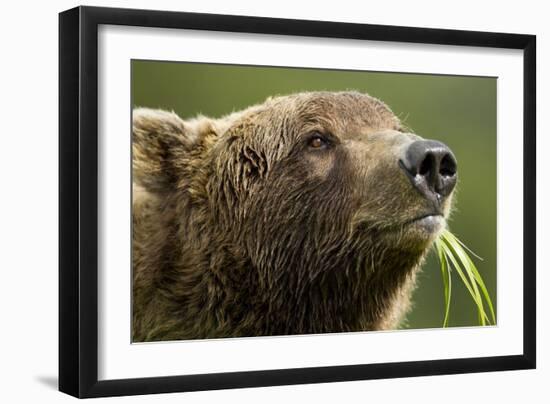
308, 213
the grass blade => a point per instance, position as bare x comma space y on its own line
447, 282
460, 272
452, 255
466, 264
475, 274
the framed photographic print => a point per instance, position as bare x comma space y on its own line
251, 201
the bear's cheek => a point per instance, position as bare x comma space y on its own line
320, 164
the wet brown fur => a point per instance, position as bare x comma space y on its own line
240, 229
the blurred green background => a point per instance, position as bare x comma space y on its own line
459, 111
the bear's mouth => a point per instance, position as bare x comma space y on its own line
428, 223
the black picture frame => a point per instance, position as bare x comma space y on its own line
78, 201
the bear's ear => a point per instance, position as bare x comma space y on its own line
159, 139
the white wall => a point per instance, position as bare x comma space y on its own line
28, 218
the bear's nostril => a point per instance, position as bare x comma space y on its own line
426, 166
448, 166
431, 167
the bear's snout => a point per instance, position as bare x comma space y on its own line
431, 167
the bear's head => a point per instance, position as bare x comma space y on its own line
326, 195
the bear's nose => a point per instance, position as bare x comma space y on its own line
431, 167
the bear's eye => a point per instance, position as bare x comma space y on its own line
317, 141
